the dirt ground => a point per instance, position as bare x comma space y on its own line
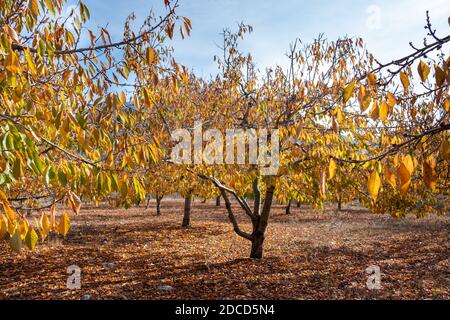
133, 254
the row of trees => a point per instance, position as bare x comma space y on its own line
95, 121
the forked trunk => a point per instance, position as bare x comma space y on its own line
259, 216
187, 211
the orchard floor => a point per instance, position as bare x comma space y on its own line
133, 254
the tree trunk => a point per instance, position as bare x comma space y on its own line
298, 204
158, 205
257, 245
339, 203
288, 207
148, 202
259, 218
218, 201
260, 225
187, 211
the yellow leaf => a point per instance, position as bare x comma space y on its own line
3, 197
404, 177
31, 238
33, 6
18, 167
409, 163
148, 99
29, 60
96, 155
49, 4
149, 55
10, 214
372, 79
363, 98
23, 228
405, 81
123, 98
375, 112
440, 75
383, 111
12, 62
423, 70
374, 184
3, 226
175, 84
339, 116
429, 173
110, 160
390, 177
365, 103
348, 90
45, 226
391, 101
331, 169
64, 224
75, 202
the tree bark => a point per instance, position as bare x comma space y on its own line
339, 203
158, 204
257, 245
260, 225
148, 203
288, 207
298, 204
218, 201
187, 211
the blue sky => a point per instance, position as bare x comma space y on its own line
386, 26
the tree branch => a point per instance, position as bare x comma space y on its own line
19, 47
397, 147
